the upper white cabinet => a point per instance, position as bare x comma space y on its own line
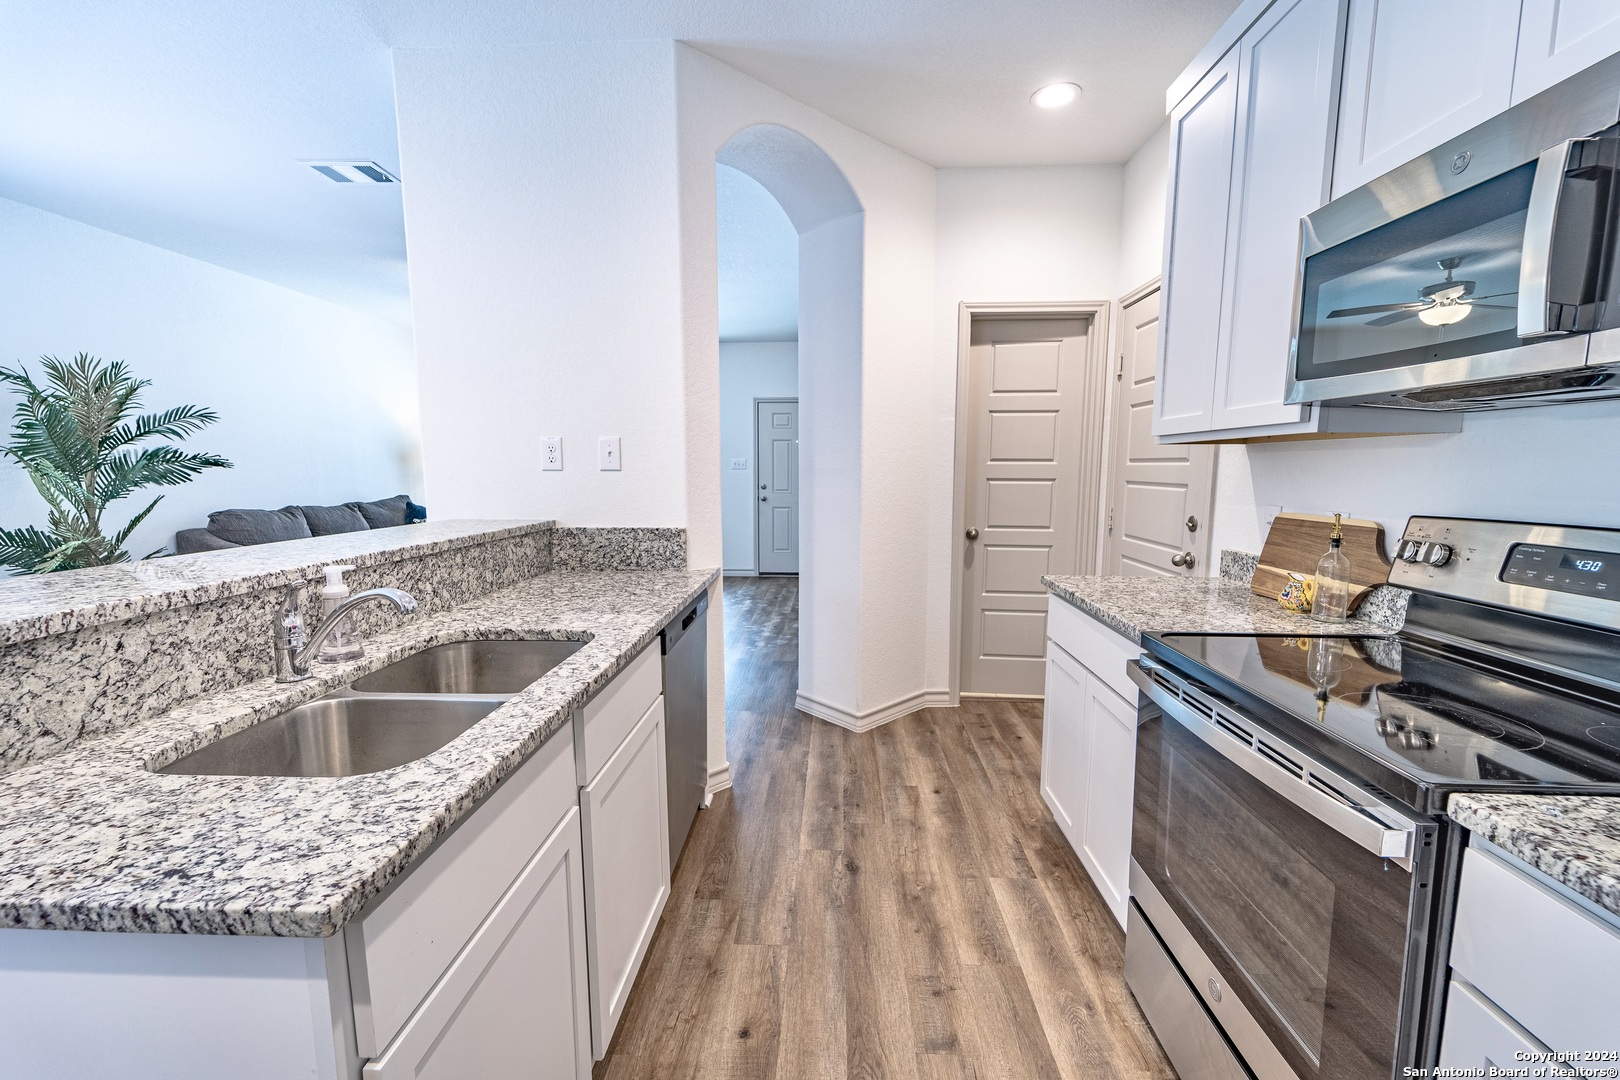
1202, 130
1416, 73
1557, 38
1250, 152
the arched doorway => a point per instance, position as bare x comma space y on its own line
824, 210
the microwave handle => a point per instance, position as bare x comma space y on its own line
1567, 239
1378, 830
1540, 224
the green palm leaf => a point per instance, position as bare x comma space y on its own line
76, 436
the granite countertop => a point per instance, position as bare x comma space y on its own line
1218, 605
34, 606
1573, 839
92, 840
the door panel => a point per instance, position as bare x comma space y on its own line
1025, 394
776, 518
1201, 134
1557, 38
1417, 74
1152, 489
1287, 90
1110, 781
1063, 744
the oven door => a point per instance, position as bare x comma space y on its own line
1286, 893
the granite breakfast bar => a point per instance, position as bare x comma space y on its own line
92, 839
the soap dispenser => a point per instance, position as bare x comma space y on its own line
1332, 601
342, 643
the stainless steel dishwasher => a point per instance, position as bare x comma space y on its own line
686, 719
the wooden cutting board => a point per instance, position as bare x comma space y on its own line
1297, 541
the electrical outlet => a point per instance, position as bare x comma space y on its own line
551, 453
739, 463
608, 450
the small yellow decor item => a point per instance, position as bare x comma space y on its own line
1297, 593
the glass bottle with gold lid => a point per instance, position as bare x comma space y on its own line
1332, 601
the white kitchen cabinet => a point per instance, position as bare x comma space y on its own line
1088, 747
1557, 38
514, 1003
1202, 129
1250, 154
1546, 960
1478, 1035
626, 831
1416, 73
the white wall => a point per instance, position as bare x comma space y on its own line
748, 370
865, 652
317, 402
1141, 241
1050, 233
542, 222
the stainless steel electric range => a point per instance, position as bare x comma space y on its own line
1293, 873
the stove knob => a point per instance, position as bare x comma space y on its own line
1410, 550
1437, 554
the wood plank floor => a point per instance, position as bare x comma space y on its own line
893, 904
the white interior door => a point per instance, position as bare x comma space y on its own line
1158, 495
1026, 384
776, 433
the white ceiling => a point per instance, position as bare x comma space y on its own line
180, 122
759, 262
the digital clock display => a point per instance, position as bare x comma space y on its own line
1566, 570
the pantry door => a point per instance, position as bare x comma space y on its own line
1022, 498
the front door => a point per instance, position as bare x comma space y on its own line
1025, 387
776, 517
1158, 496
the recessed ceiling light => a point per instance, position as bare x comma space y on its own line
1055, 95
353, 172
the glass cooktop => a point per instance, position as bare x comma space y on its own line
1441, 724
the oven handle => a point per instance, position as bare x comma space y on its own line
1316, 789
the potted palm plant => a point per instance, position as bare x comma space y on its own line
81, 438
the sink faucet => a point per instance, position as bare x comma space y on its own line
293, 652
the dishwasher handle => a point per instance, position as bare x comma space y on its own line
683, 622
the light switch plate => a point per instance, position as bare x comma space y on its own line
739, 463
551, 453
609, 451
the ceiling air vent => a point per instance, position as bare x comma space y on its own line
353, 172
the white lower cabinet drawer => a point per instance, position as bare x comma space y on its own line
513, 1004
625, 818
1478, 1035
400, 948
1550, 965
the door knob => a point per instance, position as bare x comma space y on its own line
972, 534
763, 499
1186, 559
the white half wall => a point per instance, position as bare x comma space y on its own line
1043, 234
749, 370
317, 402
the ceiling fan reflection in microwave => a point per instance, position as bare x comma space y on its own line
1441, 304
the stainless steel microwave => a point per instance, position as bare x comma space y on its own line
1483, 275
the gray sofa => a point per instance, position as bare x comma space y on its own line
244, 528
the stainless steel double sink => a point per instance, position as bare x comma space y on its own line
395, 715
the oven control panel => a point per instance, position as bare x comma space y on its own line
1562, 569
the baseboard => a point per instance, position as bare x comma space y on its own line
922, 699
739, 573
719, 780
1004, 697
